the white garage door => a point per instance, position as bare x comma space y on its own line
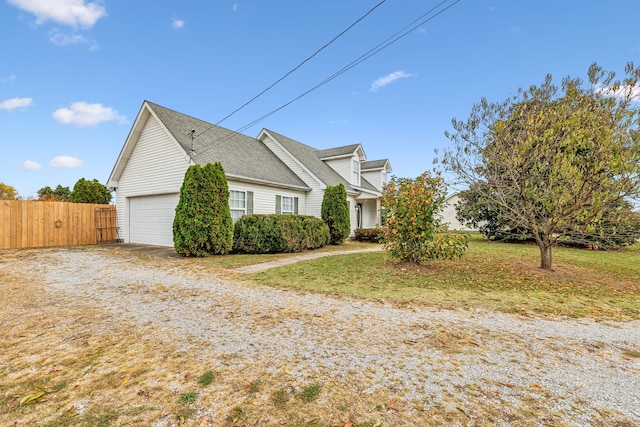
151, 219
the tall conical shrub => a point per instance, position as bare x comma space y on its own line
335, 213
202, 225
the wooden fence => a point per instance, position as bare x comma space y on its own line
33, 223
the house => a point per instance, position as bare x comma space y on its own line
267, 174
448, 215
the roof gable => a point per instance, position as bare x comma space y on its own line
382, 164
345, 151
242, 157
311, 159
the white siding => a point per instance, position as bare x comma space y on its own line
264, 198
448, 214
343, 167
370, 217
313, 198
375, 178
157, 166
353, 220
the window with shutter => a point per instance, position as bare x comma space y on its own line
240, 203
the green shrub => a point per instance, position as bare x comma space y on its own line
368, 235
317, 232
260, 234
413, 228
203, 225
85, 191
335, 213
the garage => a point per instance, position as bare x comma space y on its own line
151, 219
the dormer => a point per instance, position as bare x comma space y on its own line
376, 172
347, 161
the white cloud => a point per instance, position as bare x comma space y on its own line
60, 39
176, 23
84, 114
65, 162
621, 92
388, 79
12, 104
8, 79
74, 13
30, 165
235, 7
635, 93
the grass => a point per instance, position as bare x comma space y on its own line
188, 397
280, 398
310, 393
240, 260
493, 276
206, 379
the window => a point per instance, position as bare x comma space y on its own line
286, 205
240, 203
356, 173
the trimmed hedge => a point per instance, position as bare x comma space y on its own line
335, 212
261, 234
202, 225
373, 235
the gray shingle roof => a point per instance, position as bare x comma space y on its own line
241, 156
310, 157
374, 164
366, 185
338, 151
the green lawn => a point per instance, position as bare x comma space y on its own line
240, 260
494, 276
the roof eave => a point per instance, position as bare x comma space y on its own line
127, 148
265, 182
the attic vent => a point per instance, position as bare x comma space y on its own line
192, 134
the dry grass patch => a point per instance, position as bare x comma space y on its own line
66, 362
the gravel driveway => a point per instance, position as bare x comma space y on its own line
573, 371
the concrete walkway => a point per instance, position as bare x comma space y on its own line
255, 268
167, 252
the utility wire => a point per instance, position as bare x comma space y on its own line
381, 46
300, 64
407, 29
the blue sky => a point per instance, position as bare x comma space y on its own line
74, 73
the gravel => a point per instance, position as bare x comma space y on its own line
582, 365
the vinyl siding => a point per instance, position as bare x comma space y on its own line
264, 197
156, 166
353, 219
343, 168
375, 178
310, 202
448, 215
369, 214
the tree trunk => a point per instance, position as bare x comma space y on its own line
545, 254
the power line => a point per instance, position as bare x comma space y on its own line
381, 46
407, 29
300, 64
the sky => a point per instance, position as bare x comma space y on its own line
74, 73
